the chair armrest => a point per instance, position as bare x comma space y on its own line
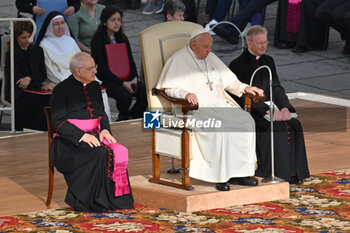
248, 100
185, 105
255, 98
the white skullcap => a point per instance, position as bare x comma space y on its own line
198, 32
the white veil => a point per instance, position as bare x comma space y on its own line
59, 45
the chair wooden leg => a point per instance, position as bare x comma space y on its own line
51, 182
50, 134
155, 159
185, 164
156, 168
185, 154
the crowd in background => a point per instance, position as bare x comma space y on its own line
66, 27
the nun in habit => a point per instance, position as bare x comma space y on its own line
59, 47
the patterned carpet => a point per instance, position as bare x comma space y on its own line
321, 204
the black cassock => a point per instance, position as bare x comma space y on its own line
86, 170
312, 33
289, 147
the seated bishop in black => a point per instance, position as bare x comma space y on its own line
94, 165
289, 147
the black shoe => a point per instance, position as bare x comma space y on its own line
295, 180
248, 181
285, 45
223, 186
226, 33
346, 49
300, 49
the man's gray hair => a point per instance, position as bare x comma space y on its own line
255, 30
77, 61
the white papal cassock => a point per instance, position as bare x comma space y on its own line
217, 156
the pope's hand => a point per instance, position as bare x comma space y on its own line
91, 140
254, 90
106, 135
192, 98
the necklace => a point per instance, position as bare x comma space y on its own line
209, 83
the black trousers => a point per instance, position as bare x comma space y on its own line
332, 12
247, 10
313, 34
123, 98
191, 10
29, 111
347, 20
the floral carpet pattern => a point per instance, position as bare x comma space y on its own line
321, 204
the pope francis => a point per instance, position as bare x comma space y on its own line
194, 73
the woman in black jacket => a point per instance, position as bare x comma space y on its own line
110, 31
29, 73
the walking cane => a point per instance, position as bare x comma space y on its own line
272, 179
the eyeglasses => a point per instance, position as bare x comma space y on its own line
58, 24
91, 68
261, 43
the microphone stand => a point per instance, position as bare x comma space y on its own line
272, 179
173, 170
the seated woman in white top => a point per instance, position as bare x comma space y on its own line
58, 45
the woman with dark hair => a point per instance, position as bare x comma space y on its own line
110, 31
29, 73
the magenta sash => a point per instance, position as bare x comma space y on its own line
120, 156
293, 16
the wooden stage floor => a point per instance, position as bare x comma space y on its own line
24, 172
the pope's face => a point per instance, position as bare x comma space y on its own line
202, 45
87, 73
258, 44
